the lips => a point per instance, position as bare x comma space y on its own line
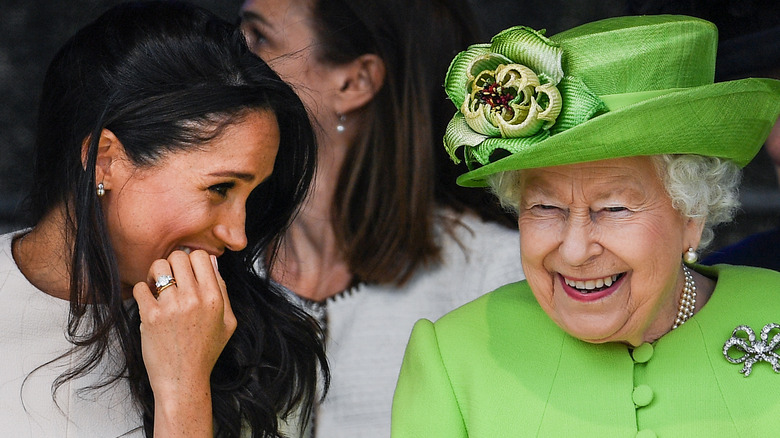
591, 289
189, 249
589, 286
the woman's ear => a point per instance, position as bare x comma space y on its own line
693, 230
110, 150
361, 80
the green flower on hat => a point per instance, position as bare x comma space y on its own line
509, 100
512, 90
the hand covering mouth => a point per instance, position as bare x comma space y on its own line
594, 285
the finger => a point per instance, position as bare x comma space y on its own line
205, 275
181, 269
159, 270
144, 297
213, 286
230, 318
218, 276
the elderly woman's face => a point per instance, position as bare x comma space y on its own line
601, 248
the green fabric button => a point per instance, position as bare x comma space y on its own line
642, 395
642, 353
646, 433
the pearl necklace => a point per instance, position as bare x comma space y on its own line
687, 299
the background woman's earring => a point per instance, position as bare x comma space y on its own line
340, 126
690, 256
101, 190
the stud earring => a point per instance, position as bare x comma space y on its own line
101, 189
690, 256
340, 126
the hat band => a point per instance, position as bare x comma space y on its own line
617, 101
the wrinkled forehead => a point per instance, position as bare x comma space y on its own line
599, 179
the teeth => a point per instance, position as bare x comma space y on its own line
185, 249
590, 285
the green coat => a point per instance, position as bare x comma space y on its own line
499, 367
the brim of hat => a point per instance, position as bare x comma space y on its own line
730, 120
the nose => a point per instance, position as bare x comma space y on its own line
231, 228
578, 242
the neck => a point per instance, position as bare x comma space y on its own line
310, 261
663, 325
43, 255
704, 288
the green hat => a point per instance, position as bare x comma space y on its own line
619, 87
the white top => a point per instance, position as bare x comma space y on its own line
368, 329
32, 332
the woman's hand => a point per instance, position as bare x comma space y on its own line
183, 332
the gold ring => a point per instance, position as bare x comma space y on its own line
164, 282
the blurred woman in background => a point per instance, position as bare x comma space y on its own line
385, 237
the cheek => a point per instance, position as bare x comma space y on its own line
538, 241
651, 250
287, 69
146, 224
538, 238
654, 238
299, 70
141, 236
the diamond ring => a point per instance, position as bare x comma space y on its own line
163, 282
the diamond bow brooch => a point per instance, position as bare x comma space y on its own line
763, 350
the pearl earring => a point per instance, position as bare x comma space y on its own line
340, 126
690, 256
101, 189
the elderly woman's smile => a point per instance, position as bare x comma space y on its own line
601, 247
590, 289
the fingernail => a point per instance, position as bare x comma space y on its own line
214, 263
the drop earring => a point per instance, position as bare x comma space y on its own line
340, 125
690, 257
101, 190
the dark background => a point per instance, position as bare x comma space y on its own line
32, 31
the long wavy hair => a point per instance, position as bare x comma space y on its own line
398, 174
165, 77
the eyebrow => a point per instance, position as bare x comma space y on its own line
254, 16
535, 186
629, 190
248, 177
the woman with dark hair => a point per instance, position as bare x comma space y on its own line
131, 306
386, 237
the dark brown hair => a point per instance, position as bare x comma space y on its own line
397, 174
166, 77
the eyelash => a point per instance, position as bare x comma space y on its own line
544, 207
547, 207
253, 36
222, 189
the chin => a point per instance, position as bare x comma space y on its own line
587, 332
591, 338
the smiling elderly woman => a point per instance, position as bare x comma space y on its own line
620, 155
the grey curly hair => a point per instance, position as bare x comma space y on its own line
703, 188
